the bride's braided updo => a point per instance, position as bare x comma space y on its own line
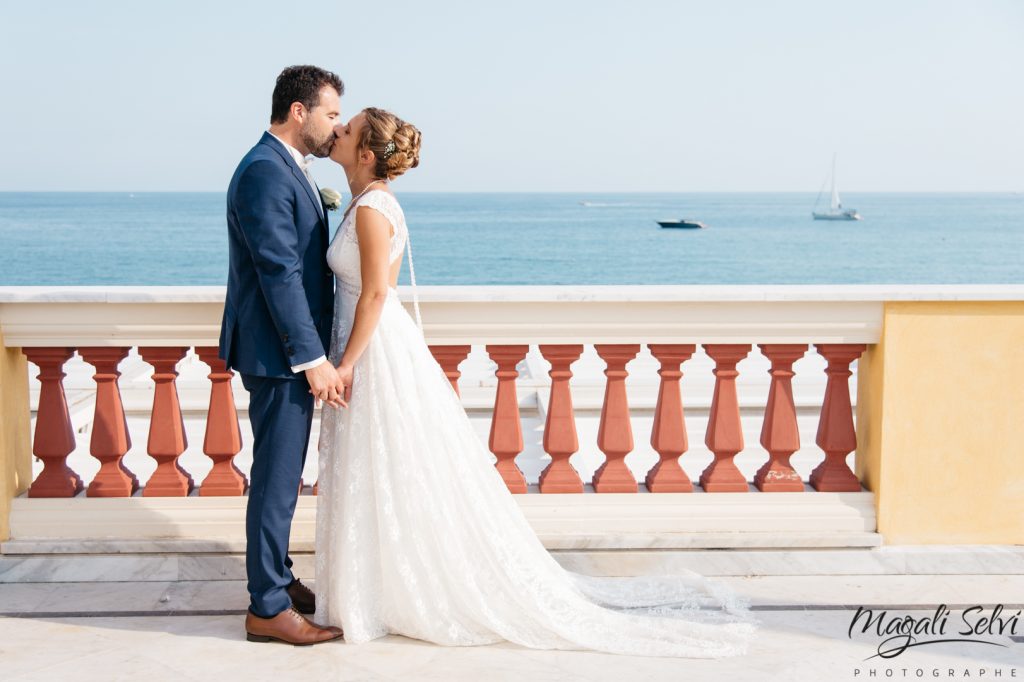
395, 143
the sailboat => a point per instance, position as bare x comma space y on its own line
835, 210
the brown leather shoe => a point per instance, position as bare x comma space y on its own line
302, 597
290, 627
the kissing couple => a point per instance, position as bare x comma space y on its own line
416, 532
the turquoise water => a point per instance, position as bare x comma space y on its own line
180, 239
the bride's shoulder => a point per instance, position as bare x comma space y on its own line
381, 199
384, 203
384, 194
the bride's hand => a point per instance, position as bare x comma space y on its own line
345, 375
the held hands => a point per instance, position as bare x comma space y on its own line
326, 385
345, 376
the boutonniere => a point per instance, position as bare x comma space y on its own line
331, 197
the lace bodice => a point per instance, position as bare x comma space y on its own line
343, 253
343, 259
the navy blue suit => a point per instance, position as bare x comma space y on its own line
278, 313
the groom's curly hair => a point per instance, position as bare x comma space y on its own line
301, 84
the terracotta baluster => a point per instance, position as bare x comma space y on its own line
615, 434
836, 433
668, 433
560, 440
449, 357
223, 438
110, 438
506, 439
167, 438
780, 435
54, 436
724, 436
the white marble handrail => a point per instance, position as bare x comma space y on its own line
153, 316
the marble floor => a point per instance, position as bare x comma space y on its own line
193, 631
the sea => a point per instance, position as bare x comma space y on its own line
172, 238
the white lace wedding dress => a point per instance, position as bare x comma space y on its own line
417, 535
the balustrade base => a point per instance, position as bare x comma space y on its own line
203, 538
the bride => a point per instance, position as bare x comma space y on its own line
416, 533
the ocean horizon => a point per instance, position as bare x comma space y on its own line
554, 238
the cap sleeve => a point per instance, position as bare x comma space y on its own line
383, 203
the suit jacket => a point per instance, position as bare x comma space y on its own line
280, 296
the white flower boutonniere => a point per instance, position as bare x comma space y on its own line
331, 197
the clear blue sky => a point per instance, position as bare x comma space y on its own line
529, 96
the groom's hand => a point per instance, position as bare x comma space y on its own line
325, 385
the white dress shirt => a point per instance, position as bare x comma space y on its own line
301, 161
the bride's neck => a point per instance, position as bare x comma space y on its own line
358, 182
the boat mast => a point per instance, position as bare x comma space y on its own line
836, 204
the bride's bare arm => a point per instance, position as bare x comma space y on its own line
373, 231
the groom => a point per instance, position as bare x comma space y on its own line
276, 326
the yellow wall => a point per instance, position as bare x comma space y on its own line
15, 446
940, 423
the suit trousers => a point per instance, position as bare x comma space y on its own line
281, 415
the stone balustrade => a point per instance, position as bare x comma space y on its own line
840, 324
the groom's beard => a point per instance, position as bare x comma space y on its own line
320, 148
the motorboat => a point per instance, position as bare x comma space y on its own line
683, 223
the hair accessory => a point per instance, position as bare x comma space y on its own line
389, 149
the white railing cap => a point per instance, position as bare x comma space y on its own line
555, 293
190, 316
